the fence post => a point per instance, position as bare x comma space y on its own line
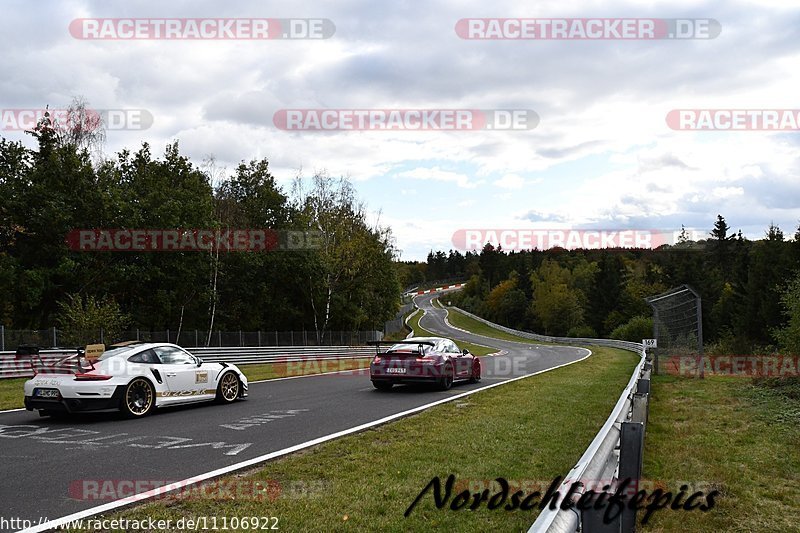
137, 334
102, 337
196, 339
305, 338
167, 335
700, 336
219, 336
276, 338
2, 338
259, 337
292, 336
655, 336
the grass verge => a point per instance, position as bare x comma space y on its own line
460, 320
477, 349
731, 435
12, 396
365, 482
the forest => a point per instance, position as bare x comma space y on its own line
346, 282
750, 289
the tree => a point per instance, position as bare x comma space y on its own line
788, 336
556, 305
720, 231
506, 303
82, 318
351, 270
81, 127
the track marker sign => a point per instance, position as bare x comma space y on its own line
650, 343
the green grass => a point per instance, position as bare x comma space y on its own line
727, 434
11, 393
477, 349
460, 320
12, 396
366, 481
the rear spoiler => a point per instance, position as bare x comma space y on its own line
420, 344
32, 353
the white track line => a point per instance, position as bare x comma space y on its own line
266, 457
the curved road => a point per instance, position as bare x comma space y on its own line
518, 359
53, 468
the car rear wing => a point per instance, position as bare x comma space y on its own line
418, 344
32, 354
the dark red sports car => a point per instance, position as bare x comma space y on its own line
422, 360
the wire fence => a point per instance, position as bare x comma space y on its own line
10, 339
677, 323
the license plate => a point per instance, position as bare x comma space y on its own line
395, 370
47, 393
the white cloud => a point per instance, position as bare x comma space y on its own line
601, 154
437, 174
510, 181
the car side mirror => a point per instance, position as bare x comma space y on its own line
465, 351
199, 361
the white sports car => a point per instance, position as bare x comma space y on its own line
135, 379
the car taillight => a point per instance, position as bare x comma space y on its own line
376, 360
92, 377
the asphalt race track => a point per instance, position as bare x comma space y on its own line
47, 462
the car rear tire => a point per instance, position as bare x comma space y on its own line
382, 385
138, 399
228, 388
448, 376
476, 372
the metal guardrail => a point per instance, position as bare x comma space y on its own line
614, 454
10, 366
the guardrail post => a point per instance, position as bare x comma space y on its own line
592, 520
631, 447
640, 409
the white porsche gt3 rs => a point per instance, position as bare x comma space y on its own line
134, 379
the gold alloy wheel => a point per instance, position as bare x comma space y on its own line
229, 386
139, 397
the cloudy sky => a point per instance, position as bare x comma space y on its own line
601, 156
